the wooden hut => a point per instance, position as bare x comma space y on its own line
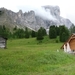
71, 42
3, 42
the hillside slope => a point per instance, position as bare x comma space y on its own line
25, 58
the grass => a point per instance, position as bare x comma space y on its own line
29, 57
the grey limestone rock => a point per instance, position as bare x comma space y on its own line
32, 21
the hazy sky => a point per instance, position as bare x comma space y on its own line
67, 7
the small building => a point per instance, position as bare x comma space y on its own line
69, 45
3, 42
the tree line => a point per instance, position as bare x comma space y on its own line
54, 31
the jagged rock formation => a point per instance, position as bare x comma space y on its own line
31, 19
55, 12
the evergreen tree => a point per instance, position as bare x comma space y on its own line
15, 28
26, 33
19, 33
1, 30
64, 33
63, 39
44, 32
33, 34
4, 31
40, 34
1, 12
57, 31
72, 29
52, 32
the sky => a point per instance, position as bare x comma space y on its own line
67, 7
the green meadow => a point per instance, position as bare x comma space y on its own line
32, 57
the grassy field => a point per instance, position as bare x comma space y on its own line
30, 57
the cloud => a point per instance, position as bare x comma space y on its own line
39, 11
44, 13
66, 6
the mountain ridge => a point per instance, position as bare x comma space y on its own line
51, 16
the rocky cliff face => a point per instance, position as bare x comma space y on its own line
31, 19
55, 12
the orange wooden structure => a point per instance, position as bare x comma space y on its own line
71, 42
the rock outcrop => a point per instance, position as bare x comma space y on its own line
31, 19
55, 12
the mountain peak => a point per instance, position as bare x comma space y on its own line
44, 17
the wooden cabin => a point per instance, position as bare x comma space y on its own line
3, 42
71, 42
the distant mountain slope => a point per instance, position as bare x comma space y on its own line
33, 20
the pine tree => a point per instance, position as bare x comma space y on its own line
40, 34
72, 29
26, 33
1, 30
52, 32
57, 31
4, 31
44, 32
64, 33
19, 33
33, 34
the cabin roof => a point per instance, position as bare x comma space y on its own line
4, 37
70, 38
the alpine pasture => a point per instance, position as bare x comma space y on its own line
32, 57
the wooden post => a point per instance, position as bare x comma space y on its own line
5, 43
